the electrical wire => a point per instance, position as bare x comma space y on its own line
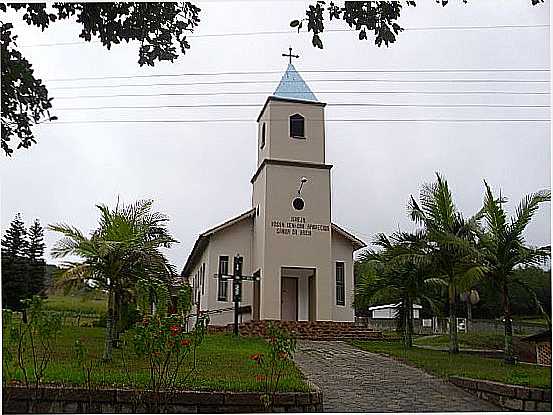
231, 120
331, 105
316, 92
302, 71
281, 32
308, 80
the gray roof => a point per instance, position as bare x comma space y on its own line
293, 86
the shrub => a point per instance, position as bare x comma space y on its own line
274, 365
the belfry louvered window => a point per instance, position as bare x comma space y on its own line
297, 126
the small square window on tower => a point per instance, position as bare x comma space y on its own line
297, 126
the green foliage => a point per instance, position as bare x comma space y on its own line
222, 364
25, 100
166, 345
395, 274
273, 365
184, 300
451, 252
85, 363
75, 303
9, 342
149, 292
522, 302
31, 343
379, 18
491, 341
23, 268
125, 248
504, 249
159, 27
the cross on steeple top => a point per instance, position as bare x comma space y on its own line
289, 55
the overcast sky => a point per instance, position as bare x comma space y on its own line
199, 174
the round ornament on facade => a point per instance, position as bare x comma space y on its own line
298, 203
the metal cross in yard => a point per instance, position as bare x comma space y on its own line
237, 279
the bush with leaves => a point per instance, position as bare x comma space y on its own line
86, 364
30, 345
273, 365
165, 344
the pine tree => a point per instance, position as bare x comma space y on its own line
35, 252
15, 285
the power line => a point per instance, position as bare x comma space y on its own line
232, 120
316, 92
309, 80
303, 71
288, 32
331, 105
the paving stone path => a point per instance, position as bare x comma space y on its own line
354, 380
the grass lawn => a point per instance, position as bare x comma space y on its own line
491, 341
223, 363
531, 320
77, 304
443, 365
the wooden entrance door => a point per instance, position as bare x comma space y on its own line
289, 299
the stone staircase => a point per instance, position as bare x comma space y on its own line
309, 330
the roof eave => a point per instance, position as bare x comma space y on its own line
203, 240
293, 100
356, 242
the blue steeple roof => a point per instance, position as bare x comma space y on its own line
293, 86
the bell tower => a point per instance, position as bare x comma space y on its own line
291, 197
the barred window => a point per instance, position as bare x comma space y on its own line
222, 290
340, 284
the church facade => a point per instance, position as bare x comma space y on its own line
303, 262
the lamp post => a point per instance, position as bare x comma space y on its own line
471, 298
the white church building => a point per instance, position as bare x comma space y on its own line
304, 261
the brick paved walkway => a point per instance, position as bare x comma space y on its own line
354, 380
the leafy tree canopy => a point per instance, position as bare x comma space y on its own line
378, 17
161, 29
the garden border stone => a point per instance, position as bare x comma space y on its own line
512, 397
55, 399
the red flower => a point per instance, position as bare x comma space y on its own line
185, 342
256, 357
259, 378
175, 329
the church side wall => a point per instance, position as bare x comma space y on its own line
196, 282
236, 239
342, 251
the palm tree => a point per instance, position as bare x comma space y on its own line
451, 250
504, 248
394, 276
125, 246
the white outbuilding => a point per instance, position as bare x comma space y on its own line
389, 311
